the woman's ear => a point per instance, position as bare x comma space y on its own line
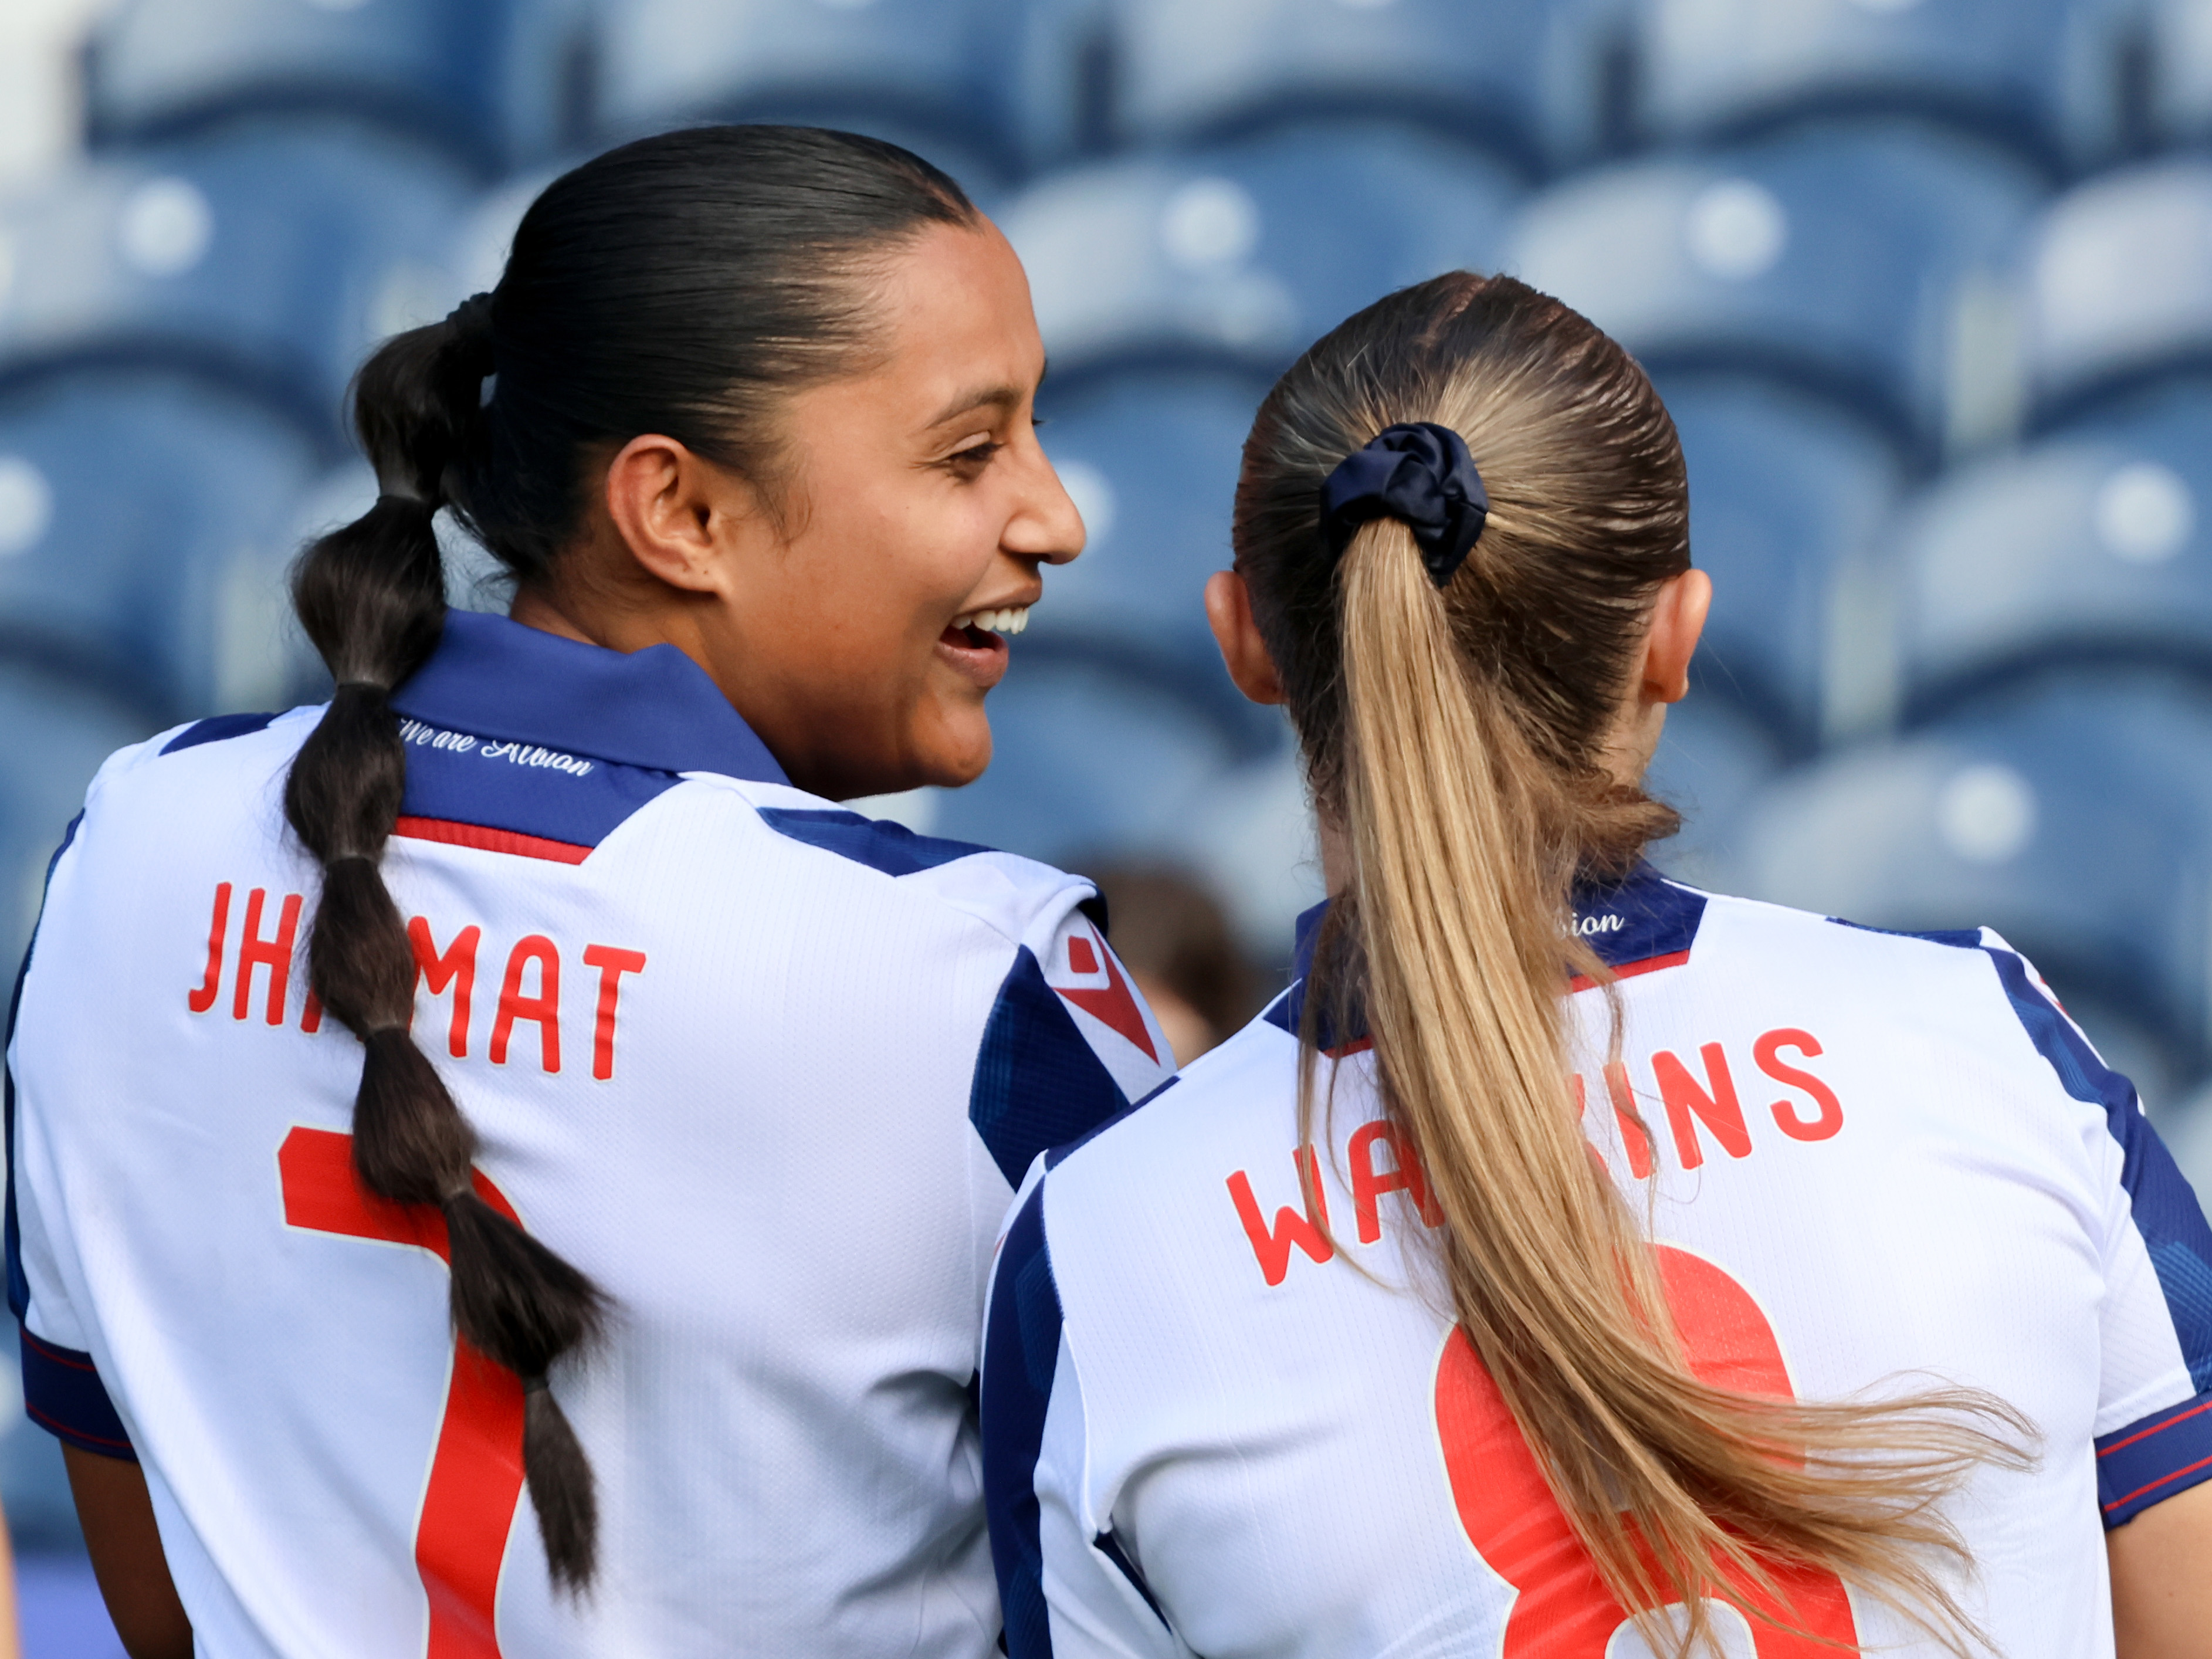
1229, 611
1678, 620
679, 517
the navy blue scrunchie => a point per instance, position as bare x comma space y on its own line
1418, 473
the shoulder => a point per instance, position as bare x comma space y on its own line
191, 772
1025, 902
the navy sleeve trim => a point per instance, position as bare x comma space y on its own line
2149, 1461
62, 1395
19, 1285
2166, 1213
879, 844
216, 730
1038, 1083
1058, 1155
1021, 1352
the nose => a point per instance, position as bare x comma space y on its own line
1045, 524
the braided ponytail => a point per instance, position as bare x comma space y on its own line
372, 597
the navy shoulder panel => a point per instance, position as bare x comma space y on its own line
2166, 1213
1058, 1155
1021, 1352
18, 1287
879, 844
216, 730
1958, 939
1038, 1083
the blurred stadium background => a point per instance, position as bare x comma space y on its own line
1927, 284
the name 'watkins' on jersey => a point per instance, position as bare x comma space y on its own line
766, 1070
1867, 1156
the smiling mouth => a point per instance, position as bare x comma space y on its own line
981, 631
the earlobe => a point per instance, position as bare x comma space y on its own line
1243, 653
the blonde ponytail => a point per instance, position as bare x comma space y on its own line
1456, 734
1464, 853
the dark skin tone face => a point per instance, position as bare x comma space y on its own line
915, 497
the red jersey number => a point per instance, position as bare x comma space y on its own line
1564, 1610
476, 1473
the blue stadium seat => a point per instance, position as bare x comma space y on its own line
1839, 257
2076, 819
2041, 76
2095, 545
492, 81
1785, 497
1245, 255
1150, 461
59, 731
1088, 761
2116, 285
144, 528
1479, 69
937, 75
2177, 56
269, 260
1712, 761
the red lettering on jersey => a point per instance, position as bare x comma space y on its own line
612, 965
476, 1473
544, 1008
1720, 1110
275, 954
1308, 1231
1115, 1006
201, 1000
1406, 1176
1767, 1053
310, 1017
1563, 1609
456, 967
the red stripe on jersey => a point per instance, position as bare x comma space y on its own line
488, 840
1631, 970
2163, 1480
2145, 1434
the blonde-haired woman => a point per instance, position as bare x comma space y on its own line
1573, 1263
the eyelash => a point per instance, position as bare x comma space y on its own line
976, 454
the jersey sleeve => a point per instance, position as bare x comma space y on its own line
1069, 1044
1068, 1587
61, 1390
2155, 1396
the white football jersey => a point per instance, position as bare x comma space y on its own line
1870, 1160
766, 1070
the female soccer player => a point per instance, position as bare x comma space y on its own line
1858, 1313
525, 1039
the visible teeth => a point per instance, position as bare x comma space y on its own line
1011, 620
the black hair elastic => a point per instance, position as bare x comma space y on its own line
1418, 472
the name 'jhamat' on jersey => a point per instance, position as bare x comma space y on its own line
766, 1070
1871, 1161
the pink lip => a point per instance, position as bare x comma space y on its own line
982, 663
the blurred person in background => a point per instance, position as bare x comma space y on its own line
1571, 1262
1169, 931
518, 1072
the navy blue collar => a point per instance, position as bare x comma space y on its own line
654, 707
1642, 922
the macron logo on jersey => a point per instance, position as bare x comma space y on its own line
1093, 982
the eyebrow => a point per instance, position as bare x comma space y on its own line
987, 397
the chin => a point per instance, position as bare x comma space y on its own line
958, 757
